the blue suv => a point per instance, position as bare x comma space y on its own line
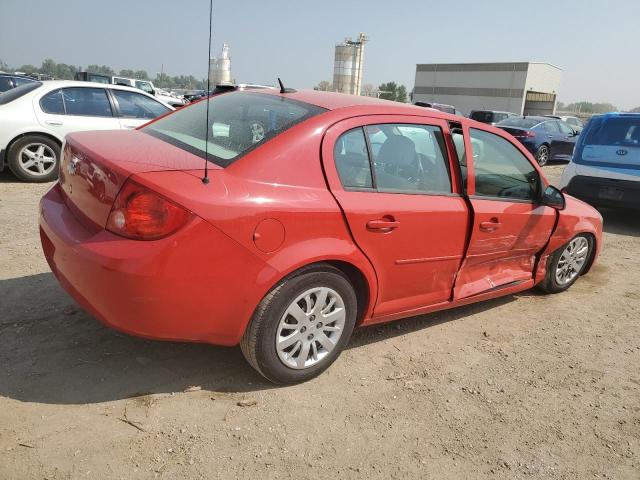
605, 169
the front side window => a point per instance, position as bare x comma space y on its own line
135, 105
238, 123
564, 128
52, 103
501, 170
352, 160
409, 158
83, 101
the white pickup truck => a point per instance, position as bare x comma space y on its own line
147, 86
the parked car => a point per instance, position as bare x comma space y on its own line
294, 239
440, 106
36, 117
490, 117
546, 138
9, 81
573, 122
605, 169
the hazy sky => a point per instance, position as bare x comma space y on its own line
594, 42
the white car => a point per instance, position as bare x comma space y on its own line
36, 117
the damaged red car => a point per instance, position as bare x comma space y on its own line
321, 213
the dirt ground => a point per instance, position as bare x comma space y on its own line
527, 386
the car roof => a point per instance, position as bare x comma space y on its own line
335, 101
619, 114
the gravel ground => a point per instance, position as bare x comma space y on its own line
527, 386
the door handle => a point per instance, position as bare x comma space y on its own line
490, 226
56, 123
384, 225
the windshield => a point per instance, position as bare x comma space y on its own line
522, 122
14, 93
238, 122
614, 131
484, 117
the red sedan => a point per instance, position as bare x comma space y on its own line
323, 212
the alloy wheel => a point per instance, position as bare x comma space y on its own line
572, 260
543, 156
310, 327
37, 159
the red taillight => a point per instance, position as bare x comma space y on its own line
527, 134
142, 214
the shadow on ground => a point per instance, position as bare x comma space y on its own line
621, 222
53, 352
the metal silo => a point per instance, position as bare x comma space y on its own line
347, 69
220, 67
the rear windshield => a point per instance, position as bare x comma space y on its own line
522, 122
614, 131
14, 93
484, 117
238, 123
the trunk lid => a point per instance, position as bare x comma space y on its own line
95, 165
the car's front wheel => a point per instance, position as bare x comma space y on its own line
542, 155
301, 325
567, 264
34, 158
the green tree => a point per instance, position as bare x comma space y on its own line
49, 67
401, 94
588, 107
126, 73
101, 69
141, 75
393, 91
28, 69
635, 110
324, 86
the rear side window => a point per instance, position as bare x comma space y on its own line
5, 84
352, 160
551, 127
405, 159
238, 123
501, 170
15, 93
135, 105
52, 103
86, 102
409, 158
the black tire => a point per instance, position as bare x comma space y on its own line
259, 341
27, 175
542, 155
550, 283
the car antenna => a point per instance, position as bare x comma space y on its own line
285, 90
205, 179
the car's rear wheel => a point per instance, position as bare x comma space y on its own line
567, 264
542, 155
301, 325
34, 158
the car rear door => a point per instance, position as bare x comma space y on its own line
509, 226
391, 175
75, 109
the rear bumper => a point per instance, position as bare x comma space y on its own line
605, 192
196, 285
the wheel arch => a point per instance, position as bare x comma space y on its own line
26, 134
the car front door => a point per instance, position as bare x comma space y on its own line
509, 225
135, 109
75, 109
569, 137
555, 138
391, 175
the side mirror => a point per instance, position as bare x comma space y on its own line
554, 198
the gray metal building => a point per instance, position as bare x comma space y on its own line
528, 88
